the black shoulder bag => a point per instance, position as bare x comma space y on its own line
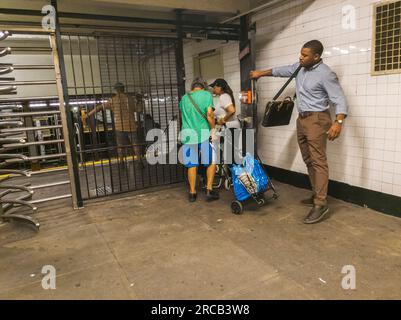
278, 113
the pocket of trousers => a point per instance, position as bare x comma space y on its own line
325, 119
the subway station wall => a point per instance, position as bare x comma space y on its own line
368, 154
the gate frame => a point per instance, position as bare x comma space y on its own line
228, 32
60, 82
66, 116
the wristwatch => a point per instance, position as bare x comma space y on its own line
339, 121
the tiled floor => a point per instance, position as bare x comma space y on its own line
159, 246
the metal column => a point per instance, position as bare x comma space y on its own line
180, 56
247, 64
66, 116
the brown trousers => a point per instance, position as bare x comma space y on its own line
312, 140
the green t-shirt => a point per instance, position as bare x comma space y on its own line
195, 129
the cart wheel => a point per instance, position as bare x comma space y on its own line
237, 207
227, 184
275, 196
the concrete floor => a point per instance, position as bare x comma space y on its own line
159, 246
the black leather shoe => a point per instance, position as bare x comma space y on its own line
212, 195
317, 214
192, 197
310, 202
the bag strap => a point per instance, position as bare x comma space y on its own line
196, 107
287, 83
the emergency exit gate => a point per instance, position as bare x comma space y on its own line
147, 69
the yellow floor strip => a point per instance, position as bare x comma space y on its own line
83, 165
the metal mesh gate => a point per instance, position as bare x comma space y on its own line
111, 145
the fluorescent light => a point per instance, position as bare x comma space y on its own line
73, 103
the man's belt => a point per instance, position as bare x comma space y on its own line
307, 114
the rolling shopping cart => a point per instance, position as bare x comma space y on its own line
250, 181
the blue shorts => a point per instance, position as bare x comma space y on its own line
191, 154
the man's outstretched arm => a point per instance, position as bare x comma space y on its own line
256, 74
282, 72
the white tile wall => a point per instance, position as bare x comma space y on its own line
368, 154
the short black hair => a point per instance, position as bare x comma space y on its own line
316, 46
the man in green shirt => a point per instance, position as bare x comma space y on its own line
197, 127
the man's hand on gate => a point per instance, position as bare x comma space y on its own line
255, 74
334, 131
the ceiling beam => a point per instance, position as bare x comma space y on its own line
228, 7
73, 15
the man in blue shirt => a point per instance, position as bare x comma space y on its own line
316, 86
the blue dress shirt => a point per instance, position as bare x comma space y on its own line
316, 87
